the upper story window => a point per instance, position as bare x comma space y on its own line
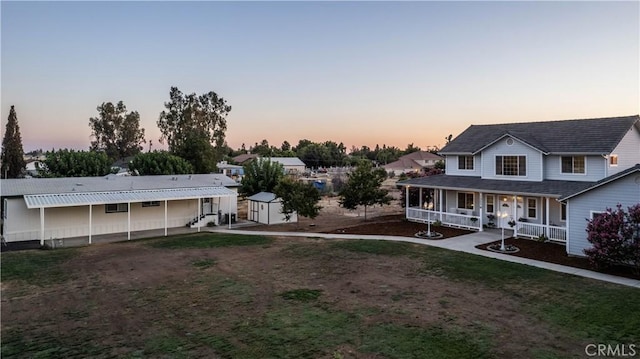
573, 164
511, 165
613, 160
465, 162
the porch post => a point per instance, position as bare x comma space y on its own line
406, 202
420, 197
128, 221
199, 212
515, 214
547, 217
41, 226
90, 221
165, 217
480, 207
440, 197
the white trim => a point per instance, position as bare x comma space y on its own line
503, 136
495, 167
473, 163
592, 212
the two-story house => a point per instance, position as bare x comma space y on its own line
539, 178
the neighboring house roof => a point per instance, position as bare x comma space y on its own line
408, 161
587, 136
123, 162
603, 181
96, 198
245, 157
551, 188
110, 183
287, 161
266, 197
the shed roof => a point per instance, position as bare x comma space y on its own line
266, 197
97, 198
587, 136
111, 183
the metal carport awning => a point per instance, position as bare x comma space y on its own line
133, 196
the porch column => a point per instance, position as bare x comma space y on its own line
90, 221
480, 207
420, 197
406, 202
199, 212
440, 197
515, 215
128, 221
547, 217
165, 217
41, 226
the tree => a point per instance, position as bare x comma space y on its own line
190, 117
363, 188
158, 163
115, 131
615, 236
298, 197
261, 175
70, 163
12, 157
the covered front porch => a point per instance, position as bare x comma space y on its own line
529, 215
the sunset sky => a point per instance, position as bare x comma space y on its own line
361, 73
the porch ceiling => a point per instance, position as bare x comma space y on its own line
96, 198
547, 188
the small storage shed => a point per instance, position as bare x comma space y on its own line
265, 208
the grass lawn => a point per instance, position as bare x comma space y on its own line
220, 295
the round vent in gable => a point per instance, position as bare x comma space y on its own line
509, 141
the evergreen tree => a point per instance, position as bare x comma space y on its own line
261, 175
12, 158
301, 198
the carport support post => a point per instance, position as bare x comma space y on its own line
128, 221
90, 221
229, 211
199, 214
165, 217
41, 226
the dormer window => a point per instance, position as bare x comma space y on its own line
465, 163
573, 164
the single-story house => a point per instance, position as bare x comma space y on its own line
39, 209
413, 162
266, 208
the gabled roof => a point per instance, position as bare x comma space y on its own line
110, 183
409, 160
604, 181
403, 164
587, 136
421, 155
245, 157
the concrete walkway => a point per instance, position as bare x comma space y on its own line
465, 243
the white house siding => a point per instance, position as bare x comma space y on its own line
594, 168
67, 222
500, 148
628, 151
451, 167
625, 191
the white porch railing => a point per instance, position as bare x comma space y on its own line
449, 219
534, 231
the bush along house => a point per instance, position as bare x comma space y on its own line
544, 180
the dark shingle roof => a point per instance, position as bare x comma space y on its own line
549, 188
603, 181
597, 136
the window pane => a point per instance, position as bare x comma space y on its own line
567, 164
578, 164
522, 166
490, 201
531, 206
461, 199
498, 165
563, 212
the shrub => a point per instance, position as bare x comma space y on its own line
615, 236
